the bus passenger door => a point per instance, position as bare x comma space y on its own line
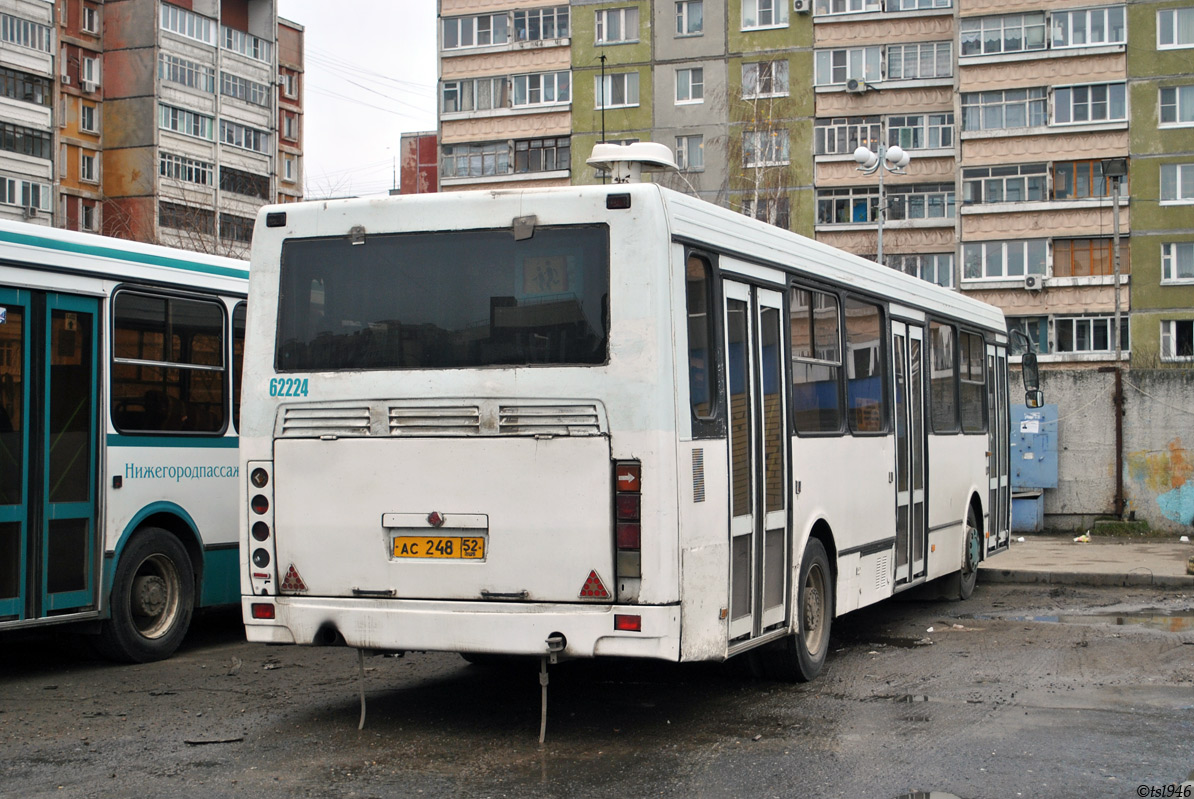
48, 388
911, 524
998, 430
759, 537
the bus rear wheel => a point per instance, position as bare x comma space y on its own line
152, 600
971, 555
800, 657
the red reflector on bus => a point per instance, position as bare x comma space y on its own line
262, 610
626, 506
594, 588
629, 535
628, 623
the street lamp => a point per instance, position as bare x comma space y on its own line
1115, 170
892, 159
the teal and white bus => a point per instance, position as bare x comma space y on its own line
119, 385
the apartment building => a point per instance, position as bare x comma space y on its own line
163, 122
505, 94
27, 110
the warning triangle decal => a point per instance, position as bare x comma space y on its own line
594, 588
293, 582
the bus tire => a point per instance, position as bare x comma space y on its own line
800, 657
971, 554
152, 600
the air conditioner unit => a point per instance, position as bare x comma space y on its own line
802, 6
29, 212
86, 85
856, 86
1034, 283
66, 80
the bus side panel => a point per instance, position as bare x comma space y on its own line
705, 548
841, 481
957, 468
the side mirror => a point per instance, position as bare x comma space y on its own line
1030, 372
1034, 399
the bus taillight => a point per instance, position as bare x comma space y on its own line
261, 524
628, 517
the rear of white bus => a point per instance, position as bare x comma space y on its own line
458, 425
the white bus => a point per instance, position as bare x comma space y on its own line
602, 421
119, 367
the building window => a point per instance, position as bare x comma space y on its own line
478, 31
1089, 27
236, 228
774, 210
846, 6
186, 73
186, 217
919, 61
476, 160
616, 91
542, 155
1012, 33
764, 148
1003, 259
1023, 183
90, 22
839, 66
917, 5
1177, 340
89, 74
1102, 102
764, 13
244, 183
937, 268
86, 216
244, 89
477, 94
1175, 28
87, 167
537, 24
690, 152
1036, 328
88, 118
1087, 334
921, 132
1004, 109
689, 17
1088, 257
1177, 183
1177, 106
189, 170
18, 85
248, 45
188, 24
25, 33
617, 25
927, 201
243, 136
186, 122
765, 79
1078, 180
690, 85
844, 135
545, 89
289, 169
25, 193
1177, 262
849, 206
290, 126
289, 82
26, 141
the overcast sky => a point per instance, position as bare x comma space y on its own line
370, 76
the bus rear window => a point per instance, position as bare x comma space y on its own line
443, 300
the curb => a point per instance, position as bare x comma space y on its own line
1134, 579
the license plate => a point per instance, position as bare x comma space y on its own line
432, 546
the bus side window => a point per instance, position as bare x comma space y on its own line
865, 363
973, 383
815, 326
702, 351
943, 378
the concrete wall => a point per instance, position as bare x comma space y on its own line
1158, 431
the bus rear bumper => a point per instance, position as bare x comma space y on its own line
471, 627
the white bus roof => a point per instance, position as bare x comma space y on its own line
22, 243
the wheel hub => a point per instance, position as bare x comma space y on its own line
150, 595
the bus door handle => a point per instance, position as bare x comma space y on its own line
499, 595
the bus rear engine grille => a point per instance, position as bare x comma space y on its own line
337, 421
554, 420
436, 420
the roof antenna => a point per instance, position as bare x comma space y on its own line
627, 162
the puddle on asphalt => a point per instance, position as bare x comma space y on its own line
1169, 622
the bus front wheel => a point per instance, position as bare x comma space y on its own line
153, 597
